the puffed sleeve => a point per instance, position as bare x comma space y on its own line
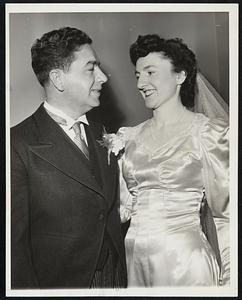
215, 152
125, 195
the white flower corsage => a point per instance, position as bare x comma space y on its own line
113, 142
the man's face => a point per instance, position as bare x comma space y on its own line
83, 81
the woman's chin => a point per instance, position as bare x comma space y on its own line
149, 104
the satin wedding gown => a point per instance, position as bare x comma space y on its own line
161, 192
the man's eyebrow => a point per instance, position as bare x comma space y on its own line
93, 62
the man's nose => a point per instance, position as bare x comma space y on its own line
101, 76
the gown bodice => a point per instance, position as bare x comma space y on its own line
162, 194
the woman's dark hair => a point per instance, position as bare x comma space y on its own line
181, 57
55, 49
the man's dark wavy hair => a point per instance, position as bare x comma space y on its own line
181, 57
55, 49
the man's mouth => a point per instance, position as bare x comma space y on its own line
96, 91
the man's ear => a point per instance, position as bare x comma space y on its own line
55, 76
181, 77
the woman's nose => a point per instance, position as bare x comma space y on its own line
141, 81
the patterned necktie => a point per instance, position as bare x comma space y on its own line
79, 139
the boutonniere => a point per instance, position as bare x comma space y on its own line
115, 143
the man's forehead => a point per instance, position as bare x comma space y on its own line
86, 54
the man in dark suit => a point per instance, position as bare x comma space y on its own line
65, 226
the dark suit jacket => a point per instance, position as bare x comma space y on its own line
59, 212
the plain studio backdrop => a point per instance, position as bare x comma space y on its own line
206, 33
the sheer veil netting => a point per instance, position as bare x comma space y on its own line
208, 101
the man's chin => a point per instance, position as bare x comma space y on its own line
95, 101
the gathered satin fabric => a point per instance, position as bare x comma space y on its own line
161, 192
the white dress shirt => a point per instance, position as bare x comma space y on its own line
70, 121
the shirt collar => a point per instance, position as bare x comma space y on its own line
70, 121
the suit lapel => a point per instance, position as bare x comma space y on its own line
94, 156
56, 148
99, 157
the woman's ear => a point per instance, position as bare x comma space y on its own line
55, 76
181, 77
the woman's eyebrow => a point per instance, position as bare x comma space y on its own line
146, 67
149, 66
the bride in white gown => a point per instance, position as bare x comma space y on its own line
168, 163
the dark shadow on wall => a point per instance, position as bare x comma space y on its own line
108, 113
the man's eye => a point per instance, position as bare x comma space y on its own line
150, 72
90, 67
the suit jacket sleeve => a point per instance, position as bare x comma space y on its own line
22, 272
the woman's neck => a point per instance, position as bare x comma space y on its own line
169, 113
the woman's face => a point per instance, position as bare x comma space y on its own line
156, 80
